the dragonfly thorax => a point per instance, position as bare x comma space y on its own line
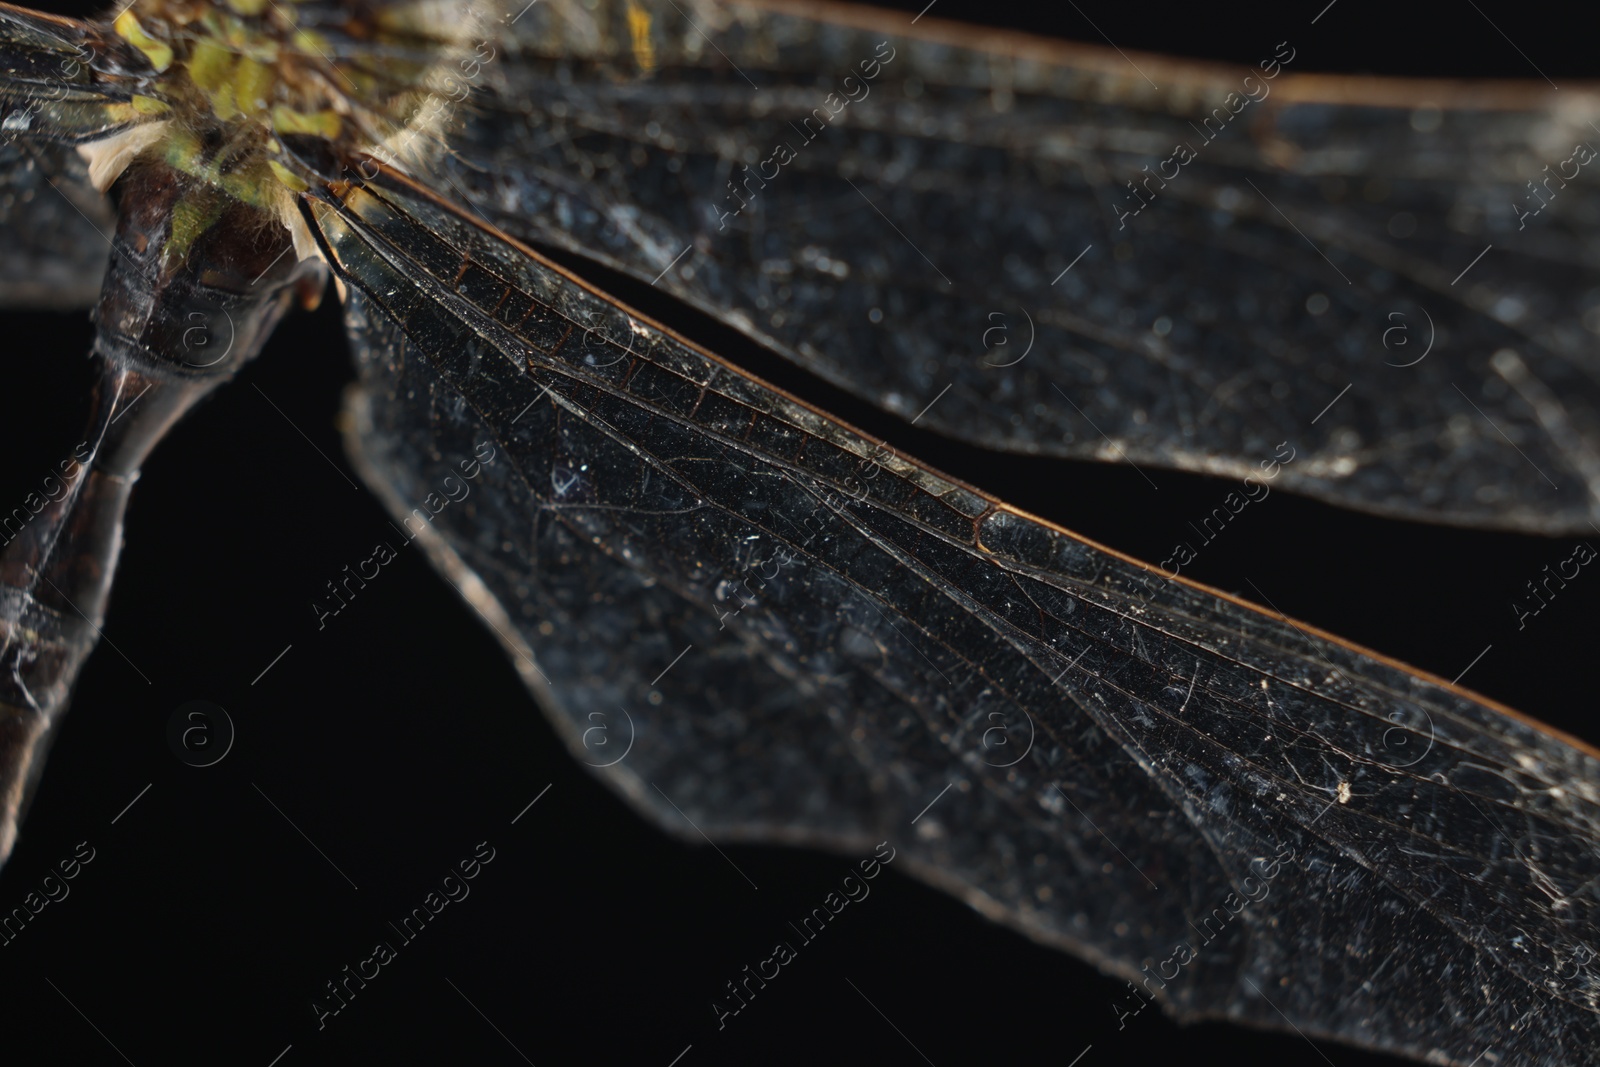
229, 80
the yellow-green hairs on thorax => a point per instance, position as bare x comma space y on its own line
232, 76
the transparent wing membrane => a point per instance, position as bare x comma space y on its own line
813, 635
1092, 266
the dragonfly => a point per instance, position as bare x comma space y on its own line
589, 481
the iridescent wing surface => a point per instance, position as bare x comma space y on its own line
1197, 260
814, 635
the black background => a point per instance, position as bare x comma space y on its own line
399, 737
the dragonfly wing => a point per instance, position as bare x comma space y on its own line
785, 632
1094, 267
53, 226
